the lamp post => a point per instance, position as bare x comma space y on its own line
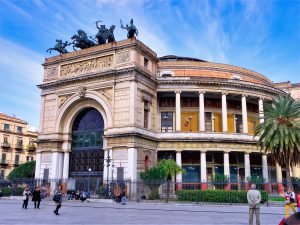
190, 119
108, 160
89, 179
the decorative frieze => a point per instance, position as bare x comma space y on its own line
90, 65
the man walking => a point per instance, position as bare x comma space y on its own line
254, 198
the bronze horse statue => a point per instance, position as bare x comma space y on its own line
81, 40
105, 34
59, 47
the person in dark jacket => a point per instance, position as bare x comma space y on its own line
36, 197
58, 199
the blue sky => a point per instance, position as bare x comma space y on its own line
263, 36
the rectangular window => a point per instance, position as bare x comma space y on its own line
239, 123
27, 158
5, 139
6, 127
146, 62
17, 159
20, 142
3, 158
208, 122
2, 174
146, 114
167, 122
19, 129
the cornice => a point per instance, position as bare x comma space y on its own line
221, 82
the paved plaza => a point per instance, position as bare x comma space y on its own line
75, 212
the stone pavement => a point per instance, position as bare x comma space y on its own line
75, 212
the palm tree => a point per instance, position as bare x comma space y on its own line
170, 169
280, 132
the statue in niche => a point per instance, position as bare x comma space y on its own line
59, 47
131, 29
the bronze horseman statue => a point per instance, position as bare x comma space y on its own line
131, 29
104, 34
59, 47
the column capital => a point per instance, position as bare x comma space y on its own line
203, 151
177, 92
201, 92
227, 151
244, 95
224, 93
261, 98
178, 151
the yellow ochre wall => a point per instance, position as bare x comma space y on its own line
185, 122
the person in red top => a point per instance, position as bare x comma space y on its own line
298, 200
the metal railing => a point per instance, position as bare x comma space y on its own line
159, 191
5, 145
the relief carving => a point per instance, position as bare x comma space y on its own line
106, 93
123, 57
52, 72
82, 92
87, 66
62, 99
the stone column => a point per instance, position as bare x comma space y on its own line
265, 172
227, 169
247, 169
133, 103
105, 167
178, 111
54, 171
261, 110
132, 172
201, 111
244, 114
280, 187
224, 113
132, 164
203, 171
66, 165
179, 175
38, 165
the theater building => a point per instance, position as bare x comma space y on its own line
121, 100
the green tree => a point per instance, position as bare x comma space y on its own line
170, 169
25, 170
153, 178
280, 132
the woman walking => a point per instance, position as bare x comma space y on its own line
36, 197
57, 198
289, 201
26, 194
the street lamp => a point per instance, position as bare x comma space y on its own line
108, 160
190, 119
89, 179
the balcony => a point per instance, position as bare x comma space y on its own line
19, 147
4, 162
31, 148
5, 145
17, 163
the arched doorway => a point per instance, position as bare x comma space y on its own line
87, 155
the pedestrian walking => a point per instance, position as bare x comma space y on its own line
123, 198
289, 201
26, 194
36, 197
57, 198
254, 198
298, 200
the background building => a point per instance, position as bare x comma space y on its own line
17, 143
121, 100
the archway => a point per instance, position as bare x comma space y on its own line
87, 155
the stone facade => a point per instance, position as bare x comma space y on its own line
17, 143
133, 90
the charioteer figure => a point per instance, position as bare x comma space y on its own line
131, 29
